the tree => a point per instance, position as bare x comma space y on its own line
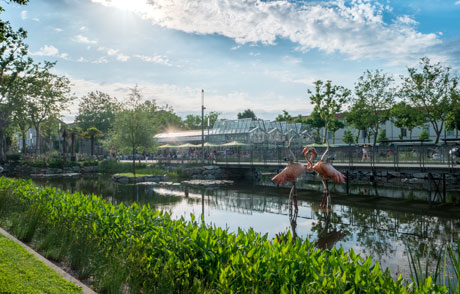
193, 122
132, 130
348, 137
97, 110
374, 93
334, 126
405, 116
315, 122
285, 116
248, 113
430, 90
328, 100
424, 135
14, 64
3, 29
47, 96
453, 119
382, 136
358, 117
92, 134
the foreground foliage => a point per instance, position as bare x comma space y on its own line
143, 250
21, 272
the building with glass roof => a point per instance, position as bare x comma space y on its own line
246, 131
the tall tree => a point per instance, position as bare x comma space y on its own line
97, 110
335, 125
405, 116
453, 119
316, 122
14, 63
47, 96
132, 130
328, 100
248, 113
358, 116
374, 91
430, 89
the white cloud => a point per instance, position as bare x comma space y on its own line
50, 50
24, 14
83, 39
184, 100
159, 59
116, 53
356, 28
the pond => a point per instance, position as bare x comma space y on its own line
382, 234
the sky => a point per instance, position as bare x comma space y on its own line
262, 55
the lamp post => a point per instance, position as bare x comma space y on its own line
202, 126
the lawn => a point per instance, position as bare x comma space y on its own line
21, 272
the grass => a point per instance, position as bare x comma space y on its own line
150, 172
21, 272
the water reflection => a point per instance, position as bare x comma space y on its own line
382, 234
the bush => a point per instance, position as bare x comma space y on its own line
13, 156
145, 251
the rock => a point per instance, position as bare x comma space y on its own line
420, 175
416, 181
394, 174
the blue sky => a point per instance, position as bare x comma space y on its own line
262, 55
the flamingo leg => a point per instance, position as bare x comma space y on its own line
295, 197
325, 194
291, 193
328, 196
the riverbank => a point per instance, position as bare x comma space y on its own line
166, 255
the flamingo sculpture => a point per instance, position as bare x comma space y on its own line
325, 170
290, 174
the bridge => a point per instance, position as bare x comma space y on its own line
411, 158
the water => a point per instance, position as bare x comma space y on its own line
370, 231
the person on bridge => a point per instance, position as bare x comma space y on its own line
325, 170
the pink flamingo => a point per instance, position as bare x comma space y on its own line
325, 170
290, 174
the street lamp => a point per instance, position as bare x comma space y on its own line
202, 126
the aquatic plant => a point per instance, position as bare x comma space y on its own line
139, 250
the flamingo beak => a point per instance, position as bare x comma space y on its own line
304, 151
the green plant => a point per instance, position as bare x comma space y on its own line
145, 251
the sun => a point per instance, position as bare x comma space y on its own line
127, 5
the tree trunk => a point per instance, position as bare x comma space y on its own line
375, 135
37, 140
72, 144
2, 151
134, 161
325, 135
92, 145
24, 147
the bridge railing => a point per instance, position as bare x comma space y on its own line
417, 156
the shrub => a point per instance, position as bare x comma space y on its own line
145, 251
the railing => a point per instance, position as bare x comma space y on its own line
392, 157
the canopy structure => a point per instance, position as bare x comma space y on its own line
207, 144
167, 146
188, 145
234, 144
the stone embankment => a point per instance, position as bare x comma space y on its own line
48, 172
